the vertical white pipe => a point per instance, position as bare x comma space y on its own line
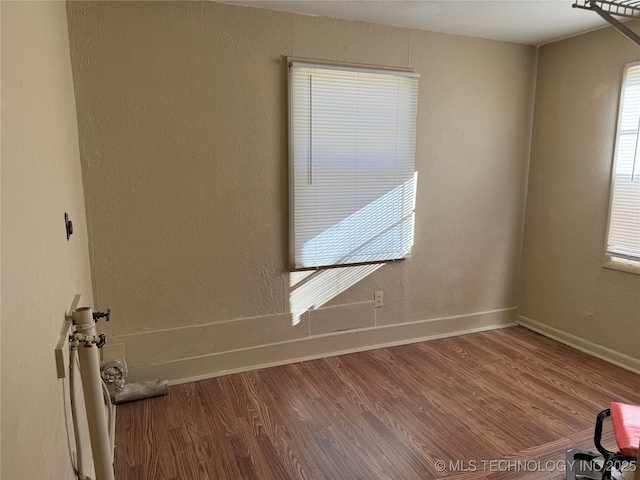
74, 413
93, 398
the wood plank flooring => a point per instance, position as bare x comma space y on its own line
497, 405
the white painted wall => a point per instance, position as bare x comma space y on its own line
182, 113
565, 291
41, 271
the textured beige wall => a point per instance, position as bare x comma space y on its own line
41, 271
563, 283
183, 124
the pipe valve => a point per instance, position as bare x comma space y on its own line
78, 338
102, 340
98, 315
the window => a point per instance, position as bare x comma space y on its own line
623, 238
352, 164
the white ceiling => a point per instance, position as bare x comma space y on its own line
532, 22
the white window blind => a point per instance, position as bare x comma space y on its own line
352, 164
624, 223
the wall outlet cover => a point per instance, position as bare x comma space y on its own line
378, 300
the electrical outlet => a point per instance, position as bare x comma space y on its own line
377, 299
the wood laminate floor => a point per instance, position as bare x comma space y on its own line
503, 404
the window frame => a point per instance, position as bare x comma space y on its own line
611, 261
291, 161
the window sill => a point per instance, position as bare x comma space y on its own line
628, 266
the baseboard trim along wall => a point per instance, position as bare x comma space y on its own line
607, 354
205, 351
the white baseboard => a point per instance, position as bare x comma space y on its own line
188, 369
607, 354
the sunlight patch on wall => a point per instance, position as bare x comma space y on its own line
323, 285
297, 277
381, 230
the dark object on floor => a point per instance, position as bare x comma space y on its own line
609, 465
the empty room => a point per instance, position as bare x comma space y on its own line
320, 240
